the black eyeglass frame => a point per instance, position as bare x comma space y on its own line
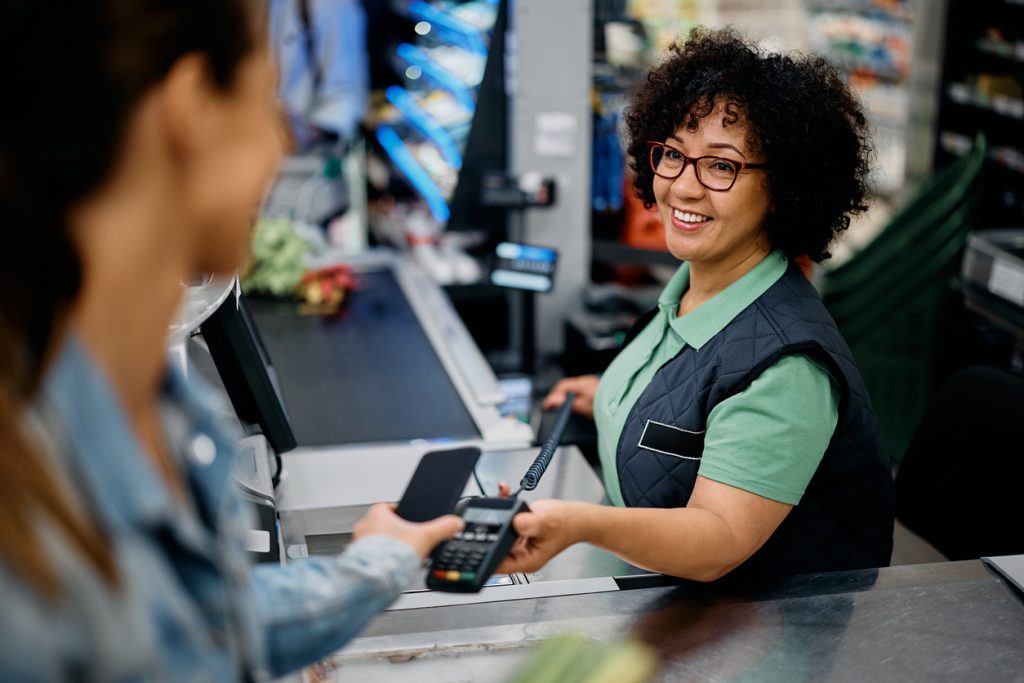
688, 160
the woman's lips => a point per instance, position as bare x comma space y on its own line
687, 221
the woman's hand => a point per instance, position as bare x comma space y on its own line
381, 520
548, 529
584, 386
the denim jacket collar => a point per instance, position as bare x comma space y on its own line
105, 451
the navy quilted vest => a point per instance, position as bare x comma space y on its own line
845, 518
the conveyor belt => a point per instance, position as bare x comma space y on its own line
367, 375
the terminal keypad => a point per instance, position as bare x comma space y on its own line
461, 557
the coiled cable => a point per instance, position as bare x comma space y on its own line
547, 449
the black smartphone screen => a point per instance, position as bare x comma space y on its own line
437, 484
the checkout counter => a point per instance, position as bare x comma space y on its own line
368, 393
945, 621
394, 366
355, 416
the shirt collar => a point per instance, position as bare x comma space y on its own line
698, 326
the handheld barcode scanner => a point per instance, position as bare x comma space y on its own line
463, 564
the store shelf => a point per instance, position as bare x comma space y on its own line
1011, 52
478, 14
958, 144
424, 125
406, 104
459, 89
964, 94
901, 11
875, 44
467, 67
402, 157
447, 28
869, 41
982, 90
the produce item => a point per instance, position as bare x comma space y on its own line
573, 658
323, 290
278, 259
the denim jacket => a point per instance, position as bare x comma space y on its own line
188, 605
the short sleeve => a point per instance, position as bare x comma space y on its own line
770, 438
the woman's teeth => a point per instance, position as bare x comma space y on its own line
689, 217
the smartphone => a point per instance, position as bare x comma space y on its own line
437, 484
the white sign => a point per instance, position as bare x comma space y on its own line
554, 134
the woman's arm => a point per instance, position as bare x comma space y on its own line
720, 528
761, 449
310, 608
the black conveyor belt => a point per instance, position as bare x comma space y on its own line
367, 375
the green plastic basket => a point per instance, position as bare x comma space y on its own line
889, 299
897, 360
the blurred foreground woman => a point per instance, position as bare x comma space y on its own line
137, 139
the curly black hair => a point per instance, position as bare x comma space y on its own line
799, 114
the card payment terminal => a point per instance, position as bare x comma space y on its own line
464, 563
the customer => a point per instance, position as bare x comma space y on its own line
734, 429
136, 140
323, 66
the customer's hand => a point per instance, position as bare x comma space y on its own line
584, 386
381, 520
545, 531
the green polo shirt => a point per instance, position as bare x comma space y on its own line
767, 439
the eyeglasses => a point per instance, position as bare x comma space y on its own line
715, 173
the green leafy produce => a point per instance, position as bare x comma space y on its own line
572, 658
278, 259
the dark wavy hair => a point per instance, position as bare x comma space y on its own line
73, 74
800, 116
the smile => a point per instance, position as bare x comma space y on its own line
688, 217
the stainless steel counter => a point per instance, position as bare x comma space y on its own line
947, 621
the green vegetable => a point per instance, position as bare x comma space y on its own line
552, 659
572, 658
278, 259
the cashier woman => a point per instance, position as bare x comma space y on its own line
735, 433
136, 140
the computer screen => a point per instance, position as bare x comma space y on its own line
245, 369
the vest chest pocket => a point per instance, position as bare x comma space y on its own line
675, 441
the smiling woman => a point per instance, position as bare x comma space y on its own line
734, 430
793, 112
715, 215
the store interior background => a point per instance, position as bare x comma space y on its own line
537, 95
